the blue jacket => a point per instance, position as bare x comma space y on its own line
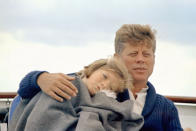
160, 114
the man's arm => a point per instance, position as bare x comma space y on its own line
171, 118
174, 121
56, 85
28, 86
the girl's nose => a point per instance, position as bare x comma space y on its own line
102, 85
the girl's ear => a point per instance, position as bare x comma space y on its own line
116, 55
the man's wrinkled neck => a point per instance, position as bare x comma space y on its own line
138, 86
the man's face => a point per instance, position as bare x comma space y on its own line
139, 60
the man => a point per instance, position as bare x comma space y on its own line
136, 45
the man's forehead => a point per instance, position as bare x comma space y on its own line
133, 46
139, 43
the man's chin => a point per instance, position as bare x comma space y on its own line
140, 79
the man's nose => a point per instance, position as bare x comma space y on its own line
140, 58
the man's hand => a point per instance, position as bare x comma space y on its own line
57, 85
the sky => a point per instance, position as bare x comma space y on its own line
63, 36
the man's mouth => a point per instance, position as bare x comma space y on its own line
140, 69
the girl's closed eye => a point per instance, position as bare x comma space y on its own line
105, 76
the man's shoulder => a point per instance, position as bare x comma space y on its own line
158, 97
165, 101
72, 74
123, 96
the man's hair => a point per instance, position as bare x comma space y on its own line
112, 64
134, 34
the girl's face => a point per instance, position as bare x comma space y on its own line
102, 79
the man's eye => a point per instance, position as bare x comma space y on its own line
146, 54
105, 76
133, 54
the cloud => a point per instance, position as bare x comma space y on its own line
19, 58
174, 69
61, 22
34, 31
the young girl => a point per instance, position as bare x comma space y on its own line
91, 109
106, 75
